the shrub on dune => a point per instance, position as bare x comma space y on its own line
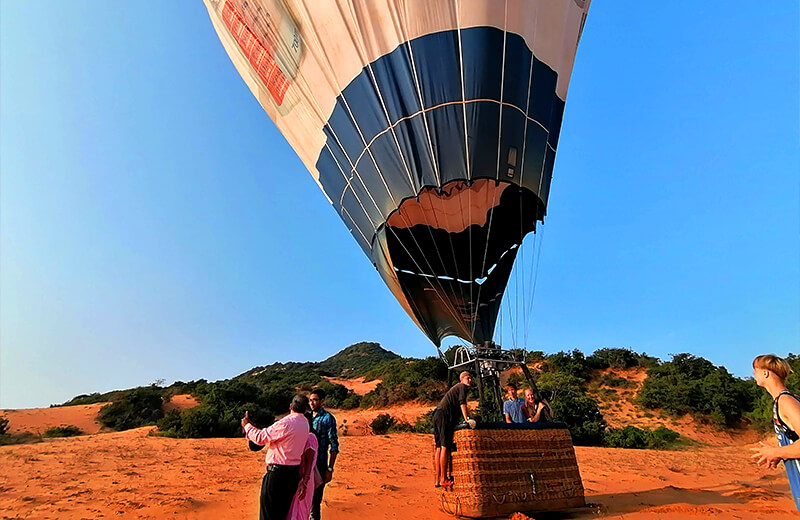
62, 431
138, 407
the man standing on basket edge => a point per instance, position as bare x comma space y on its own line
325, 426
451, 408
286, 440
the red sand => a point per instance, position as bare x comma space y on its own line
356, 384
180, 402
37, 420
134, 475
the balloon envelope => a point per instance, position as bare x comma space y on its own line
430, 125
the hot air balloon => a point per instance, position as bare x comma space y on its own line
431, 126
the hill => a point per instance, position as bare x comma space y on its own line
353, 361
356, 360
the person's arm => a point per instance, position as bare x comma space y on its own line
770, 455
262, 436
332, 459
306, 470
508, 418
538, 414
333, 440
465, 412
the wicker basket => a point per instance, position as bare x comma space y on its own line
501, 469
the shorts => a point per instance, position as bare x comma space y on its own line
443, 430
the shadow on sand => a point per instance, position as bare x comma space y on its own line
697, 501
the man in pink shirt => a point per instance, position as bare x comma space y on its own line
285, 441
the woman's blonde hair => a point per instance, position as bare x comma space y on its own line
774, 364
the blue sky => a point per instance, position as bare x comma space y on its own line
144, 199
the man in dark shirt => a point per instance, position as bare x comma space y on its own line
451, 408
325, 426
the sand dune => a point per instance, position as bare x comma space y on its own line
135, 475
37, 420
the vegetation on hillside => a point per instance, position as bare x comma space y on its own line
357, 360
691, 384
353, 361
407, 379
569, 380
631, 437
138, 407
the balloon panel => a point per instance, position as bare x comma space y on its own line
430, 125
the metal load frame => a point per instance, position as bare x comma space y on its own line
486, 361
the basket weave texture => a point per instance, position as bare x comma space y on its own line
500, 471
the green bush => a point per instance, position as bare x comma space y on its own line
612, 380
662, 438
94, 398
761, 416
171, 423
8, 439
401, 427
424, 380
535, 356
555, 384
608, 394
382, 423
424, 423
350, 402
62, 431
215, 417
138, 407
518, 379
573, 363
620, 358
582, 415
690, 384
631, 437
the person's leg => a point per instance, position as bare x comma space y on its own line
449, 471
263, 513
448, 446
439, 438
443, 456
316, 502
281, 487
436, 475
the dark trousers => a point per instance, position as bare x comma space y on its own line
315, 503
277, 491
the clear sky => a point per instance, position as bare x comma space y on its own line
148, 228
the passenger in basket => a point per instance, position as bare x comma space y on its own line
536, 409
512, 407
451, 408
